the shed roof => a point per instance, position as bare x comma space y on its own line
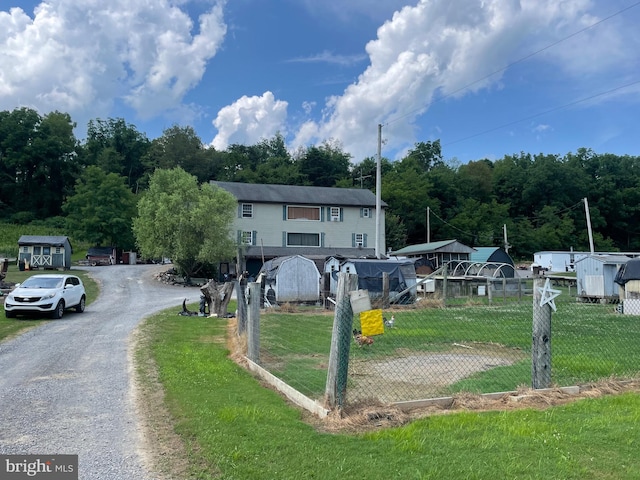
302, 195
444, 246
53, 240
607, 259
490, 254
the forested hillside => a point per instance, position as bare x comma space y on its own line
90, 187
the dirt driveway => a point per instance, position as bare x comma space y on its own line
65, 386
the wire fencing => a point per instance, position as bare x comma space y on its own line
437, 347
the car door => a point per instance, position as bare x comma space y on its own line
72, 292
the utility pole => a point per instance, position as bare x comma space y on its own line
428, 225
506, 243
362, 177
586, 210
378, 189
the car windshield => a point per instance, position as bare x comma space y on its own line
42, 282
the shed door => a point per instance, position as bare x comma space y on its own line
595, 285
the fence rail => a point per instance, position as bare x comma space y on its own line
439, 347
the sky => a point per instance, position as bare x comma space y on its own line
487, 78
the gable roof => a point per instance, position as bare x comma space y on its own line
447, 246
52, 240
293, 194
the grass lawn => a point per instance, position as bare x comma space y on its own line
12, 326
589, 342
233, 428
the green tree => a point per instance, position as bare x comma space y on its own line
324, 166
179, 147
187, 222
116, 147
101, 209
38, 164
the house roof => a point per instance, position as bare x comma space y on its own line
293, 194
444, 246
53, 240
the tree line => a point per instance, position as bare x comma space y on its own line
92, 187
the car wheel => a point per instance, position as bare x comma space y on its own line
80, 306
59, 311
9, 314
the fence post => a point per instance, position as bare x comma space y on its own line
541, 346
242, 308
444, 284
253, 323
489, 291
385, 289
336, 387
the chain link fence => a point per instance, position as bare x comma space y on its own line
507, 336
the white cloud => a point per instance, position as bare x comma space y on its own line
249, 120
81, 56
440, 48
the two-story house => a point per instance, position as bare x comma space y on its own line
315, 222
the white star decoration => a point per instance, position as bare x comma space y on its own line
548, 295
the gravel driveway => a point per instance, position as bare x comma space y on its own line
65, 387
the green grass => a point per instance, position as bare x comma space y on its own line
236, 429
13, 326
589, 342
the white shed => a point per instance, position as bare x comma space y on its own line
596, 275
291, 279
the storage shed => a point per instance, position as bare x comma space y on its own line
44, 251
493, 261
437, 253
291, 279
402, 274
596, 275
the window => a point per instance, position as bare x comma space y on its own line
46, 250
247, 238
247, 210
366, 212
359, 239
303, 213
335, 214
303, 239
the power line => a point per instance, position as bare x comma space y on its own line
566, 105
526, 57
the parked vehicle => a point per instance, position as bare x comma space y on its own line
50, 293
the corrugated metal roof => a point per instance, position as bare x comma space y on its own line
53, 240
293, 194
449, 246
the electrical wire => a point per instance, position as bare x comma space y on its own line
522, 59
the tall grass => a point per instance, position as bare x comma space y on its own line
10, 233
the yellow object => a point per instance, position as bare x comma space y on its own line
371, 323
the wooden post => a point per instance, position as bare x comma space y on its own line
242, 308
253, 324
541, 346
444, 284
385, 289
336, 387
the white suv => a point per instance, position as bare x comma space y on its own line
50, 293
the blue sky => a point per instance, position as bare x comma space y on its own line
241, 70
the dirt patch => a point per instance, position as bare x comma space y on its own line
412, 375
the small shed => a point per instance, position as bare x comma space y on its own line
596, 274
402, 274
44, 251
292, 278
437, 253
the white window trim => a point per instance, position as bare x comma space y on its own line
360, 243
244, 237
334, 217
304, 233
289, 219
243, 210
366, 212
